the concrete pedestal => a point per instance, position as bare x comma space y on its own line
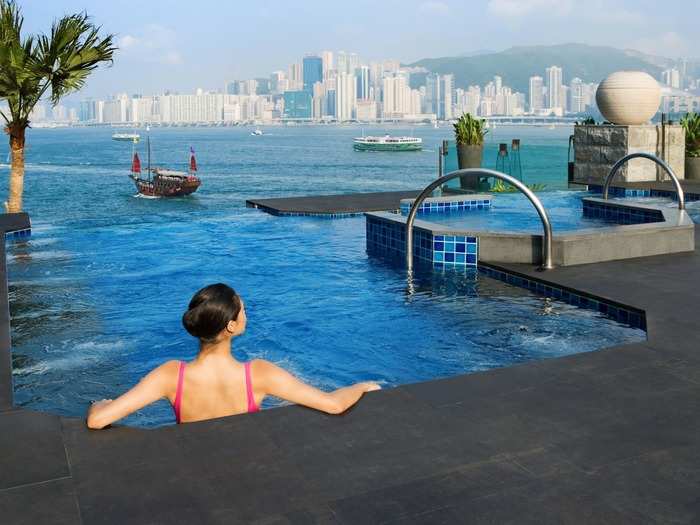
598, 147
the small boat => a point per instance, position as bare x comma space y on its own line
127, 137
387, 143
257, 133
163, 182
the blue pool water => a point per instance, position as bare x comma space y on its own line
514, 212
98, 290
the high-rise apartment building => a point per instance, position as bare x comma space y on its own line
328, 63
536, 94
312, 71
295, 77
554, 89
276, 83
432, 94
577, 96
672, 77
345, 97
397, 93
363, 83
447, 92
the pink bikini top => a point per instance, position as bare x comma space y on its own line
252, 406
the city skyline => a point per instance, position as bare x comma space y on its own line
341, 87
180, 47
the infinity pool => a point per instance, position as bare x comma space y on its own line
95, 308
98, 290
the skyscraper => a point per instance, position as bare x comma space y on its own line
536, 94
672, 77
447, 92
312, 71
346, 95
577, 102
432, 94
498, 82
397, 96
294, 76
341, 62
363, 83
554, 91
328, 64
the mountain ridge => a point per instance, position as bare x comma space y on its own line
518, 63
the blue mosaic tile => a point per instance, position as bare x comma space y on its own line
447, 206
388, 238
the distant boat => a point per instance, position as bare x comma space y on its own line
257, 133
162, 182
127, 137
387, 143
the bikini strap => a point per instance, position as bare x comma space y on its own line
252, 406
178, 392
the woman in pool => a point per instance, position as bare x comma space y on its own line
215, 384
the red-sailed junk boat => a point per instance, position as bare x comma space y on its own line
162, 182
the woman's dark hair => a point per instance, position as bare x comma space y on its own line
210, 310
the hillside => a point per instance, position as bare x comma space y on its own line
516, 65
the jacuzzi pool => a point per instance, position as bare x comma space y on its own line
512, 212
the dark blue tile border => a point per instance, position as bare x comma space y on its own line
619, 191
18, 234
620, 214
619, 312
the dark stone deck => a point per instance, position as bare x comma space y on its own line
611, 436
353, 203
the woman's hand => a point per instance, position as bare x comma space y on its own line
370, 386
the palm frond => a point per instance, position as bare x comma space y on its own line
70, 53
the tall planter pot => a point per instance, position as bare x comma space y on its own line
469, 156
692, 168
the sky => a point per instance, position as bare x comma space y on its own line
182, 45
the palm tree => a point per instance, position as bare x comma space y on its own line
33, 66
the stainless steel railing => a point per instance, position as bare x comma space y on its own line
479, 172
664, 165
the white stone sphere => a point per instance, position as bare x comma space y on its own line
628, 98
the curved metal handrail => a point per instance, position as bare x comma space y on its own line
664, 165
546, 225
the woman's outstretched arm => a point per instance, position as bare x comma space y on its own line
150, 389
277, 382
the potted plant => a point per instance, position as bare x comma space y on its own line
691, 126
469, 135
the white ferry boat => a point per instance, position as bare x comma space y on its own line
387, 143
127, 137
